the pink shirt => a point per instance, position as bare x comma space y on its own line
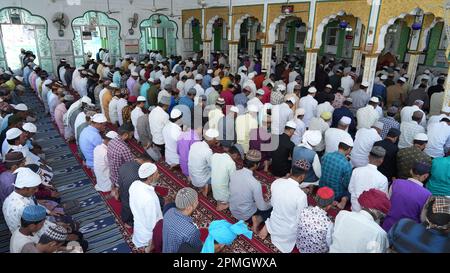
60, 110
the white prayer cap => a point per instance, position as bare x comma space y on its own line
329, 86
378, 125
141, 99
34, 68
210, 71
402, 79
13, 133
134, 74
384, 77
86, 99
281, 87
446, 109
291, 99
312, 89
244, 68
176, 113
345, 120
84, 72
198, 77
375, 99
406, 76
313, 137
146, 170
29, 127
427, 71
21, 107
425, 77
421, 137
365, 84
112, 134
107, 64
252, 108
113, 85
215, 82
151, 80
299, 112
291, 124
347, 141
260, 92
26, 178
211, 133
251, 75
234, 109
19, 78
99, 118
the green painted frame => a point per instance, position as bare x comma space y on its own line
149, 22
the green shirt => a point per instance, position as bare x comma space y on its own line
10, 85
407, 157
439, 182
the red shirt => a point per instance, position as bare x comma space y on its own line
228, 96
266, 97
258, 80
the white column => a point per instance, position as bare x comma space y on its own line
251, 47
310, 66
279, 51
357, 59
310, 25
370, 67
373, 20
412, 66
207, 50
446, 100
266, 57
233, 55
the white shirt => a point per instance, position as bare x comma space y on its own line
281, 114
407, 112
292, 76
113, 115
357, 232
435, 119
310, 105
199, 163
19, 240
255, 101
100, 98
82, 86
72, 108
347, 83
80, 119
13, 207
62, 72
122, 103
252, 85
135, 114
180, 86
101, 169
364, 140
158, 119
213, 118
290, 87
188, 84
438, 138
288, 200
333, 136
300, 129
199, 89
366, 116
163, 93
364, 179
324, 107
170, 133
408, 131
146, 209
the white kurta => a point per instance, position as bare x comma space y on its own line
300, 129
158, 119
281, 114
324, 107
364, 140
199, 163
120, 105
364, 179
367, 116
146, 209
135, 114
170, 133
333, 136
310, 105
112, 108
101, 169
80, 119
408, 130
438, 139
288, 200
407, 112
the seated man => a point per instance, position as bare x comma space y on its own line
359, 232
246, 196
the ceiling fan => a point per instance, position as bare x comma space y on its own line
109, 10
154, 9
171, 15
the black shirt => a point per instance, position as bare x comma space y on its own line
281, 162
435, 89
389, 166
322, 97
128, 173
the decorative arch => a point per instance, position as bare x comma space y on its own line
273, 27
187, 26
169, 25
41, 31
323, 24
237, 26
384, 29
209, 27
426, 31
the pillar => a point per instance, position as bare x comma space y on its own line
233, 55
412, 66
446, 100
251, 47
370, 68
357, 59
279, 51
207, 51
310, 65
266, 57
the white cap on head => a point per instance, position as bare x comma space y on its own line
234, 109
19, 78
446, 109
291, 124
210, 71
134, 74
99, 118
329, 86
29, 127
421, 137
211, 133
176, 113
345, 120
313, 137
375, 99
141, 99
26, 178
252, 108
21, 107
215, 82
113, 85
147, 169
291, 100
299, 112
378, 125
402, 79
427, 71
198, 77
281, 87
260, 92
86, 99
365, 84
425, 77
383, 77
112, 134
13, 133
312, 90
347, 141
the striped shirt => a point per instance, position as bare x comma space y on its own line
118, 153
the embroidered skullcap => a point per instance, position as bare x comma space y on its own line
141, 99
325, 196
112, 134
302, 164
57, 233
34, 213
378, 151
375, 199
253, 155
186, 197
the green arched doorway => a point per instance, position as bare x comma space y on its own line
92, 31
158, 32
19, 28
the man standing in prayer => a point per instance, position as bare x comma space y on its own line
334, 136
158, 118
310, 105
244, 124
367, 116
171, 133
360, 97
281, 156
389, 166
409, 130
364, 140
90, 138
101, 166
136, 114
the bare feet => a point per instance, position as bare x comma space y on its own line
263, 233
205, 190
342, 204
257, 220
221, 206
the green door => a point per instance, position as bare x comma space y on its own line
2, 51
217, 38
197, 38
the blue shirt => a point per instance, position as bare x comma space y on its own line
117, 78
173, 102
5, 122
178, 229
206, 82
143, 92
89, 139
240, 99
341, 112
336, 174
407, 236
185, 100
379, 90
